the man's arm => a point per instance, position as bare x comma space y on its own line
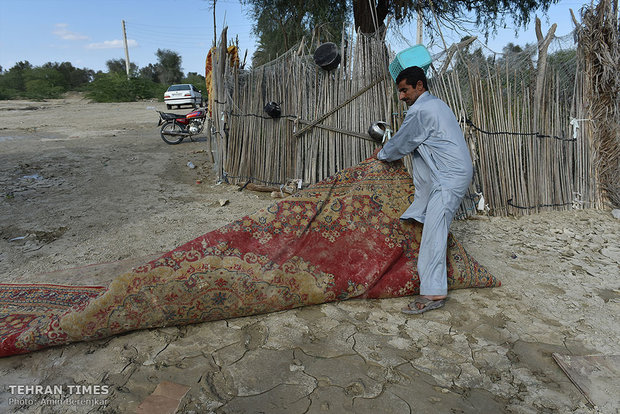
409, 136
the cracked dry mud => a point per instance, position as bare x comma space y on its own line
85, 183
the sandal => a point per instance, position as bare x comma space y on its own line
427, 305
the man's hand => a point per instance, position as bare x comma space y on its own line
374, 154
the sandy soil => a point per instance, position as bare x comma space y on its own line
84, 183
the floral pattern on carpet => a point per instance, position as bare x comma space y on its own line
336, 240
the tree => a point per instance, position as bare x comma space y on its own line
43, 82
564, 63
73, 77
518, 60
489, 14
280, 24
168, 66
21, 66
47, 81
14, 77
149, 72
198, 81
118, 66
471, 61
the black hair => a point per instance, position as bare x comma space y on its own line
412, 75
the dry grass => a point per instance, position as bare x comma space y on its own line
599, 47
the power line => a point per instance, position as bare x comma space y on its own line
157, 28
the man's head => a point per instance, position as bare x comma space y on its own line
411, 84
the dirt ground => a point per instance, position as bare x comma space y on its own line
84, 183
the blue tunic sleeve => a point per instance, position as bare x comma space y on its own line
409, 136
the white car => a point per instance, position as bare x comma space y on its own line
183, 94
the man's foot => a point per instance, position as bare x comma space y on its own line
424, 303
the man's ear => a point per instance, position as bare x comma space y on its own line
420, 85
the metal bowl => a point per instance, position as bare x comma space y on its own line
377, 130
273, 109
327, 56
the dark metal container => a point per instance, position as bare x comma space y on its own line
327, 56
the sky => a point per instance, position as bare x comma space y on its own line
89, 33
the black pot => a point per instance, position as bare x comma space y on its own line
327, 56
273, 109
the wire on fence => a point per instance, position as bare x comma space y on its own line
533, 134
510, 203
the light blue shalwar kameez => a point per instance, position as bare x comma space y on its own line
442, 172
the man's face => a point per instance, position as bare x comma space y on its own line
409, 94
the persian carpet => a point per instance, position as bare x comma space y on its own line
338, 239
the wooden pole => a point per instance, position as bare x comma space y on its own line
126, 49
543, 45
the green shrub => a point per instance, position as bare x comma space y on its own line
41, 82
37, 89
114, 87
8, 93
53, 79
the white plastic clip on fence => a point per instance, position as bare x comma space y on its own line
577, 202
574, 122
481, 204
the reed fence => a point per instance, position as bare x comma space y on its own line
531, 145
325, 115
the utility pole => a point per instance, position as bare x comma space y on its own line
126, 49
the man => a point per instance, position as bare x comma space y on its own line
442, 171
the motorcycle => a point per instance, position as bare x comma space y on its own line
174, 127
